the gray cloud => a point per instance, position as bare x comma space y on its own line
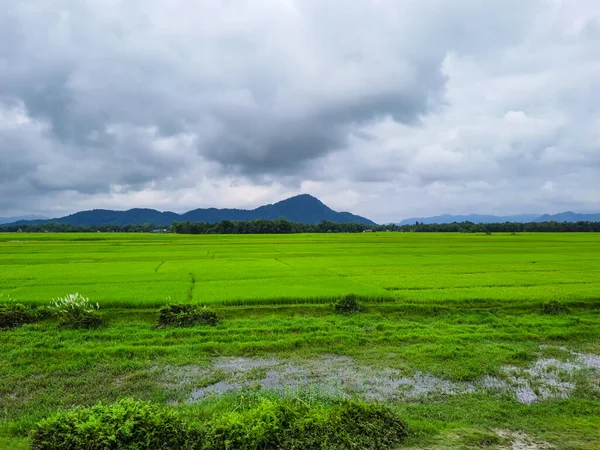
386, 108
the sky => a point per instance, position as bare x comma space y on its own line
385, 108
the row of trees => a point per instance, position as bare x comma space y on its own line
261, 226
53, 227
282, 226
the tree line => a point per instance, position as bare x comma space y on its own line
282, 226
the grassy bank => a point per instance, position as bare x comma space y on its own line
45, 369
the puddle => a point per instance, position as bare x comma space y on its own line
330, 375
341, 376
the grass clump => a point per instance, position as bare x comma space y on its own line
554, 308
75, 311
348, 304
127, 424
13, 314
186, 315
482, 439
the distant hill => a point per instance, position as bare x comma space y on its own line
301, 208
474, 218
477, 218
19, 218
568, 216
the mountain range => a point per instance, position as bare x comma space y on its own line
568, 216
4, 220
301, 208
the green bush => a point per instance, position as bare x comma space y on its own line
81, 319
268, 424
264, 426
186, 315
348, 304
14, 314
276, 425
554, 307
75, 311
347, 425
127, 424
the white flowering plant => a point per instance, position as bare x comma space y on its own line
7, 299
75, 310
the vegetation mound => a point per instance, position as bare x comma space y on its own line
348, 304
554, 308
186, 315
75, 311
127, 424
269, 424
14, 315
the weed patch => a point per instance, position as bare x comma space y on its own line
186, 315
348, 304
554, 308
75, 311
14, 314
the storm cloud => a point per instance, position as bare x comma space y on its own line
387, 108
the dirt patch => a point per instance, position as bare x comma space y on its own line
522, 441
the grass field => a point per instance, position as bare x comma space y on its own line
129, 270
451, 336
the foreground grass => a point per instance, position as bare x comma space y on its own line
44, 368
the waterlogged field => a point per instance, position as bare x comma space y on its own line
452, 335
143, 270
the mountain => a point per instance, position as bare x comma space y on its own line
475, 218
568, 216
301, 208
19, 218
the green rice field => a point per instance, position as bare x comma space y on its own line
145, 270
453, 334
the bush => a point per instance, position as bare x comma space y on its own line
14, 314
75, 311
127, 424
347, 425
348, 304
270, 425
261, 427
186, 315
554, 307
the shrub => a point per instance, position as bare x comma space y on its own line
348, 304
269, 424
347, 425
75, 311
127, 424
262, 427
14, 314
554, 307
186, 315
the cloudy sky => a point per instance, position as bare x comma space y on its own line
386, 108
